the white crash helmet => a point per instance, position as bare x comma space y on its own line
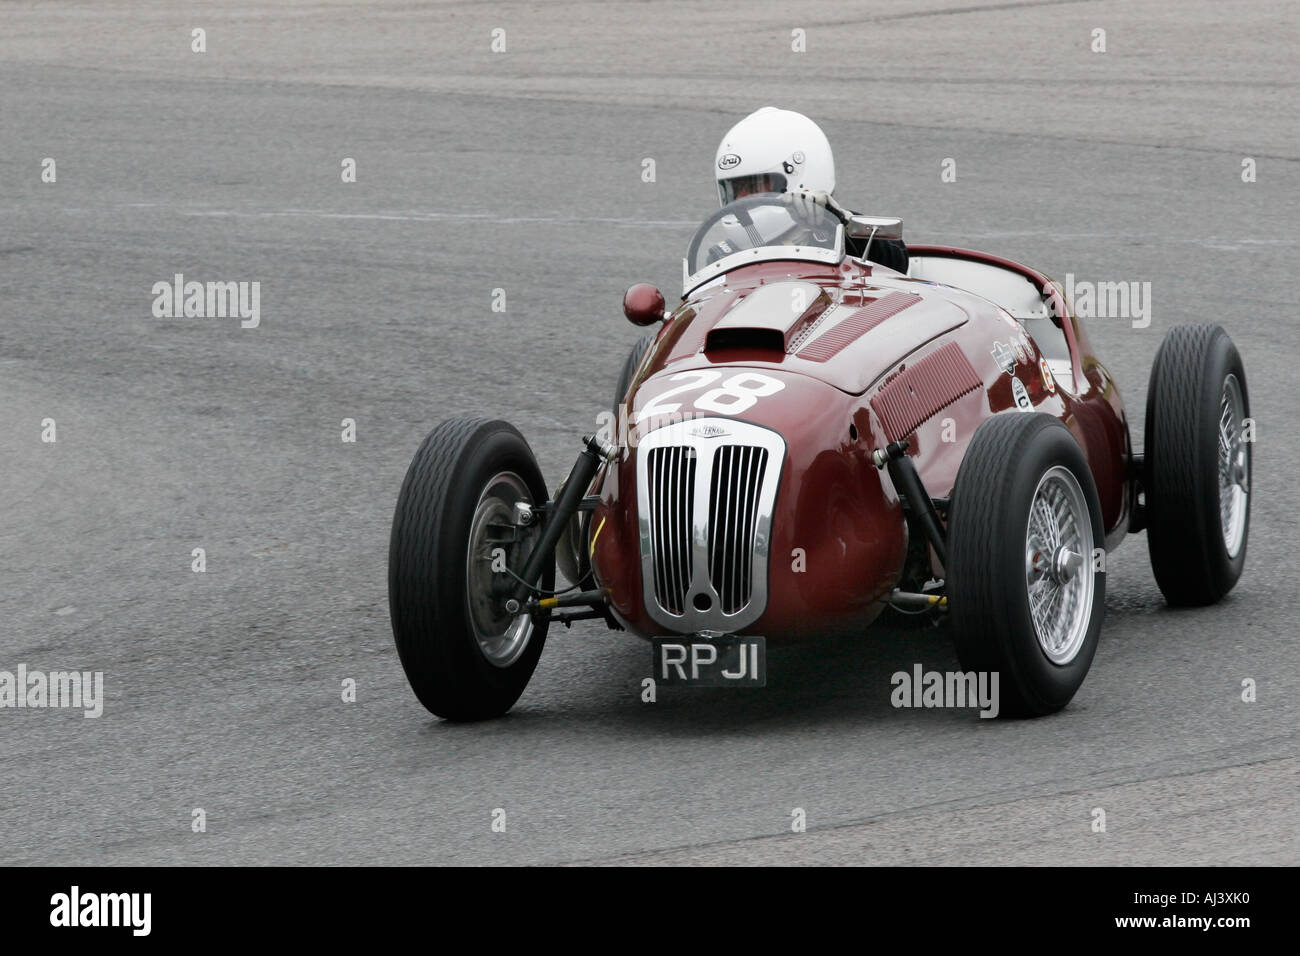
773, 150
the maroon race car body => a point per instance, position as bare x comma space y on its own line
910, 360
810, 440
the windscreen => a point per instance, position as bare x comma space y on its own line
759, 228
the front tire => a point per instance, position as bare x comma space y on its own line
630, 365
464, 655
1024, 593
1197, 480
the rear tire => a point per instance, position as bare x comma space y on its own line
1197, 480
466, 658
1023, 595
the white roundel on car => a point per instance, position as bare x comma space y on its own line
1021, 395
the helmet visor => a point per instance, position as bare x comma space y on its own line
738, 187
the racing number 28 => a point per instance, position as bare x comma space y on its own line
732, 397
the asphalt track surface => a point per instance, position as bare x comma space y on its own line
522, 171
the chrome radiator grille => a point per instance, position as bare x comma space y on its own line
733, 508
705, 494
671, 474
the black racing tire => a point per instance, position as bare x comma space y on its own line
1194, 558
630, 365
1000, 562
462, 482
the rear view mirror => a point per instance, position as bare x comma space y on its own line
874, 227
643, 304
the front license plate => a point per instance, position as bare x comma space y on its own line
722, 662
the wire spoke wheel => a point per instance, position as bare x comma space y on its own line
1234, 467
1197, 465
1025, 597
1058, 548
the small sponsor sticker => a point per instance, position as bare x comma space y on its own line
1048, 379
1005, 356
1022, 353
729, 161
1021, 395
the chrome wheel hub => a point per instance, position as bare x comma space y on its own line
1058, 553
495, 541
1234, 467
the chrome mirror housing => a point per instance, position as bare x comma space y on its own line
874, 227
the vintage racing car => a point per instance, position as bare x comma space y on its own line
811, 440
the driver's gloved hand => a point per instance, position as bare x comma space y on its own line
803, 201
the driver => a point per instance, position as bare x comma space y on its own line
778, 151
